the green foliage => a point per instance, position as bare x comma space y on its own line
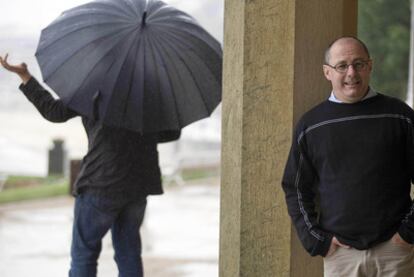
19, 188
26, 181
200, 173
33, 192
384, 25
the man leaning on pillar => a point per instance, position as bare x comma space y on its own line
355, 153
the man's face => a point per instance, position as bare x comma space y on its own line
352, 85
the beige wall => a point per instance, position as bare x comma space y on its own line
273, 52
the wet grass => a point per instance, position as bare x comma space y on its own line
14, 182
200, 173
20, 188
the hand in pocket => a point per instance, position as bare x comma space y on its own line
398, 240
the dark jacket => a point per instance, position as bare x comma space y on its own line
118, 161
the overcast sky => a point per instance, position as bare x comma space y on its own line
27, 17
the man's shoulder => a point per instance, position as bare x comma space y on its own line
327, 111
396, 105
392, 99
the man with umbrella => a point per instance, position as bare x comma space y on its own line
118, 172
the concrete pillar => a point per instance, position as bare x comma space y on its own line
410, 86
273, 55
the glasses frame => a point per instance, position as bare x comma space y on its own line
363, 62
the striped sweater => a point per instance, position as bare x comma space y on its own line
349, 174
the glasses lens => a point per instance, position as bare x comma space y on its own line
358, 66
341, 67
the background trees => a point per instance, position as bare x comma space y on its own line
384, 25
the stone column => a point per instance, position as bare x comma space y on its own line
273, 55
410, 86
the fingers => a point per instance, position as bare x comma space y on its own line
4, 62
20, 69
337, 242
332, 249
397, 239
343, 245
13, 68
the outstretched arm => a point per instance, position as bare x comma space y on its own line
20, 69
51, 109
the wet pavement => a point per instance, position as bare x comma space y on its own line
180, 235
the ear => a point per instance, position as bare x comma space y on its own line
370, 66
327, 72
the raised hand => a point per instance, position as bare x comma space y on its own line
20, 69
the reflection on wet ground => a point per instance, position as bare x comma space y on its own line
180, 235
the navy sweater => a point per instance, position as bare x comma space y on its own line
358, 161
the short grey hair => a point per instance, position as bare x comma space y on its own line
327, 55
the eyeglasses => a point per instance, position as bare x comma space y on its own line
357, 65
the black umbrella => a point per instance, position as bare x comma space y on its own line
137, 64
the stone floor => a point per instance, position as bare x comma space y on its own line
180, 235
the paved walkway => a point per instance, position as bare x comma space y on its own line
180, 235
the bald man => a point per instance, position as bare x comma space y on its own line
355, 151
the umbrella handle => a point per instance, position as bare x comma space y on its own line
96, 98
144, 17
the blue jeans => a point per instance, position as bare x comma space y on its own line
94, 216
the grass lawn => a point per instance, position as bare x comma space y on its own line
19, 188
35, 192
199, 173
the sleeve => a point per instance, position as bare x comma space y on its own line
406, 230
51, 109
298, 184
167, 136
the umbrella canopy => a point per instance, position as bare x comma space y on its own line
136, 64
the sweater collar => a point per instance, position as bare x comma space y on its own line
371, 93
